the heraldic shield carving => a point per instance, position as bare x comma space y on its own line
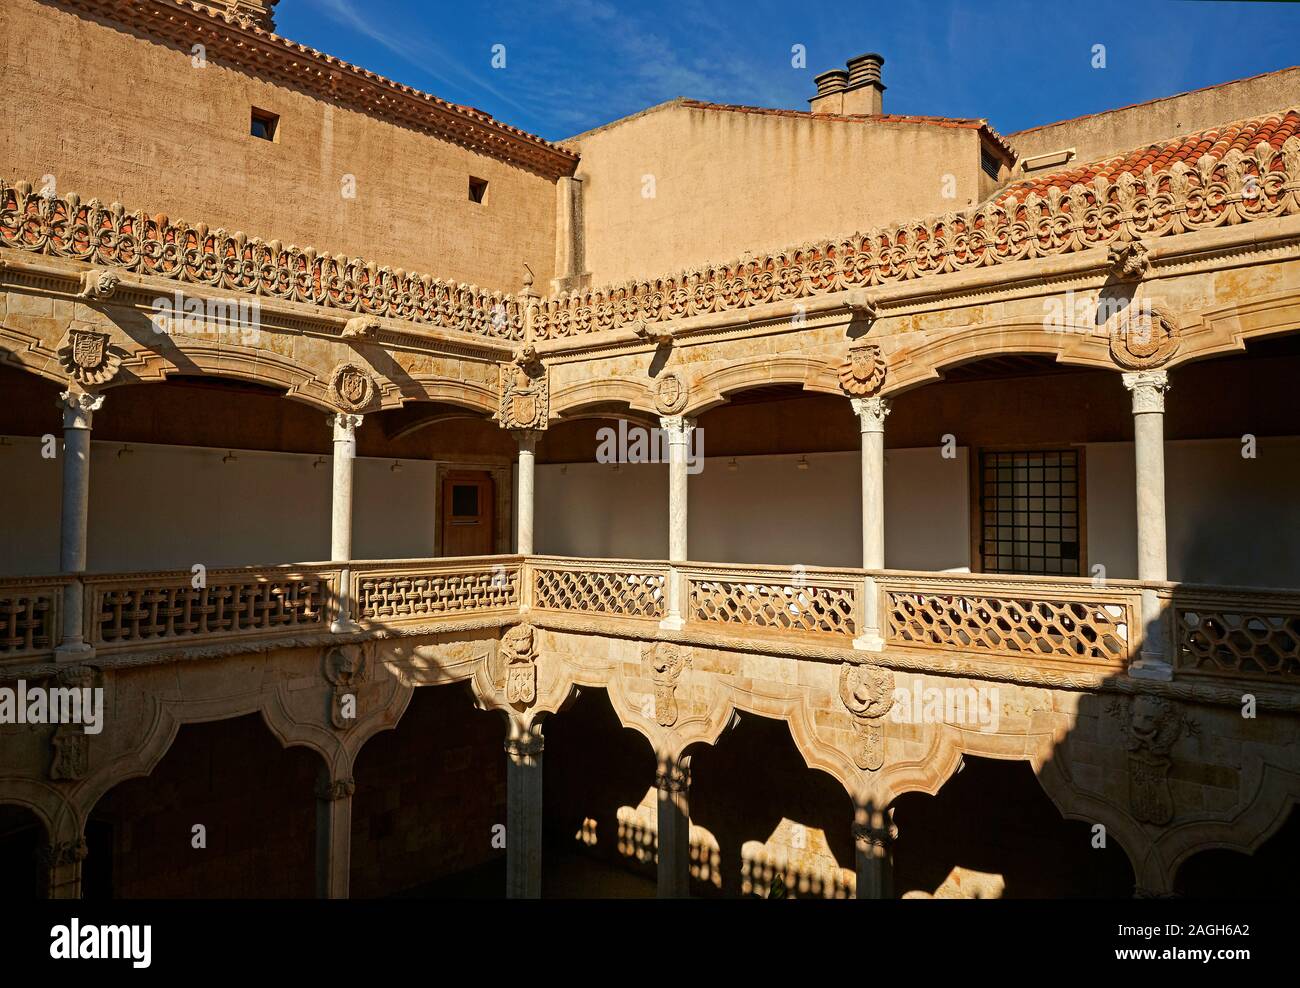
525, 392
519, 656
88, 357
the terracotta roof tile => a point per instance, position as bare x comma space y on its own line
1242, 135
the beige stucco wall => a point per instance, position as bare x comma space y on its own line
168, 507
119, 117
1105, 134
727, 181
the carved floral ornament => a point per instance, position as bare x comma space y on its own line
89, 358
1143, 336
524, 392
352, 386
1242, 186
862, 374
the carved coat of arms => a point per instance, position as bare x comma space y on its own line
666, 661
868, 693
525, 392
1151, 725
863, 373
1143, 336
519, 656
353, 388
89, 358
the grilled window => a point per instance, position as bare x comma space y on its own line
1030, 509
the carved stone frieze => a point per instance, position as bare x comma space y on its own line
868, 694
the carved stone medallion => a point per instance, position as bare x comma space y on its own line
89, 358
670, 394
1143, 336
868, 694
863, 373
354, 389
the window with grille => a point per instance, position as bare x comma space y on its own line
1030, 509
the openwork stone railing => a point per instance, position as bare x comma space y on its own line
1251, 634
153, 608
1023, 617
772, 599
29, 616
425, 589
64, 226
1231, 633
1242, 186
609, 587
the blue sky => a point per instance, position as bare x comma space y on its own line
575, 64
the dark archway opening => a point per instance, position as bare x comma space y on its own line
1269, 873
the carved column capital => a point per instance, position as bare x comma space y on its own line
874, 828
345, 425
336, 789
871, 413
678, 428
64, 852
529, 746
673, 777
79, 408
527, 439
1148, 388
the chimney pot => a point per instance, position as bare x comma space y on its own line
833, 81
864, 69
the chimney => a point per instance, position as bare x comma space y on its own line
857, 90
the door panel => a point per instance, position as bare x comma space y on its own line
468, 499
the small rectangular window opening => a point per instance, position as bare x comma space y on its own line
477, 189
264, 124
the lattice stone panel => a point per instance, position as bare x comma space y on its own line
139, 614
1018, 626
1239, 643
625, 593
25, 622
778, 606
425, 595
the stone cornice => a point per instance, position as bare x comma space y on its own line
238, 41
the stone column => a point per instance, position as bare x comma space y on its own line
873, 837
78, 410
673, 782
62, 861
871, 413
524, 813
525, 473
1148, 388
678, 429
333, 836
345, 426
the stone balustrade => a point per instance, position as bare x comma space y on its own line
1052, 622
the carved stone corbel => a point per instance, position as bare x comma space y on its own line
345, 671
665, 661
361, 328
1129, 261
862, 306
518, 656
656, 333
98, 285
868, 694
1150, 726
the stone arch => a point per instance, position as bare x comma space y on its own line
714, 387
1228, 328
586, 394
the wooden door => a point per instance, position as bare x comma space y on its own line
467, 517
